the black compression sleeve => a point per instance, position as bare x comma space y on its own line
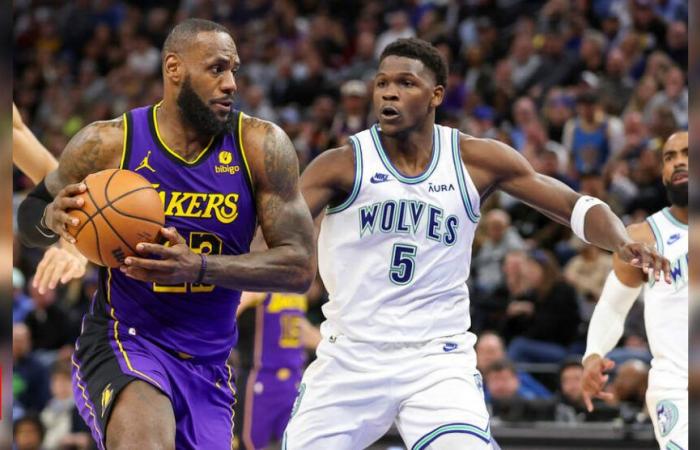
32, 230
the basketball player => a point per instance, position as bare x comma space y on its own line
394, 252
149, 367
61, 262
665, 308
273, 333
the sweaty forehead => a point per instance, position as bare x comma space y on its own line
211, 44
394, 65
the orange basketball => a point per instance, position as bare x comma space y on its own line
121, 209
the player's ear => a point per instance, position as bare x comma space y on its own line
173, 68
438, 96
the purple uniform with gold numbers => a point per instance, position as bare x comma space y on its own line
272, 359
176, 337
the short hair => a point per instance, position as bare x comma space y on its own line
421, 50
32, 419
186, 31
568, 363
500, 366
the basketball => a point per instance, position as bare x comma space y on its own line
121, 209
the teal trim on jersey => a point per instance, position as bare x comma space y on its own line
358, 179
394, 171
466, 428
461, 181
673, 446
657, 235
667, 212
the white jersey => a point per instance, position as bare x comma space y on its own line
395, 256
666, 306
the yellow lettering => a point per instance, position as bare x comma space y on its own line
175, 207
281, 302
230, 215
196, 200
215, 200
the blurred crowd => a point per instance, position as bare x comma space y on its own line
586, 90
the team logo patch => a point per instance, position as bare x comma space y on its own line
673, 238
379, 178
667, 415
225, 157
107, 397
145, 164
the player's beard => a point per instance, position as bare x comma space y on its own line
677, 194
197, 114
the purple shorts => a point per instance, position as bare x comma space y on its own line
268, 398
109, 355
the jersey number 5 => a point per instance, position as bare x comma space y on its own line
200, 242
403, 263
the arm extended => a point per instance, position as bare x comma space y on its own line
590, 219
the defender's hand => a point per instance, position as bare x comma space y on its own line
56, 213
177, 263
62, 262
646, 257
594, 379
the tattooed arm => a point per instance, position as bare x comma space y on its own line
287, 265
42, 215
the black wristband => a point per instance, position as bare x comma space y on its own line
33, 231
202, 269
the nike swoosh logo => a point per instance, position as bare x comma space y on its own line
379, 178
673, 239
449, 346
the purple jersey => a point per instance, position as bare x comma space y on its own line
277, 343
211, 204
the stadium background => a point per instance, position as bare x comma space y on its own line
525, 72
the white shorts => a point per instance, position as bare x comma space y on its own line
668, 409
350, 396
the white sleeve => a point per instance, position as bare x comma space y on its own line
608, 320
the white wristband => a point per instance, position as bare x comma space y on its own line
578, 215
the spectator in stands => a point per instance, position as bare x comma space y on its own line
570, 407
537, 142
616, 86
352, 116
363, 64
490, 349
256, 104
629, 388
524, 113
674, 96
646, 88
508, 400
30, 381
647, 23
399, 27
558, 109
592, 52
587, 271
28, 433
676, 44
545, 320
589, 136
49, 324
524, 60
501, 238
64, 427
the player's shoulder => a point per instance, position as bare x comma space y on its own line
335, 166
490, 155
98, 140
257, 130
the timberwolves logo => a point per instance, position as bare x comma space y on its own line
225, 158
107, 396
667, 415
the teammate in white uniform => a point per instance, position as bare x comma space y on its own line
394, 252
665, 309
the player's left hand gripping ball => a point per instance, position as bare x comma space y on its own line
647, 258
177, 263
